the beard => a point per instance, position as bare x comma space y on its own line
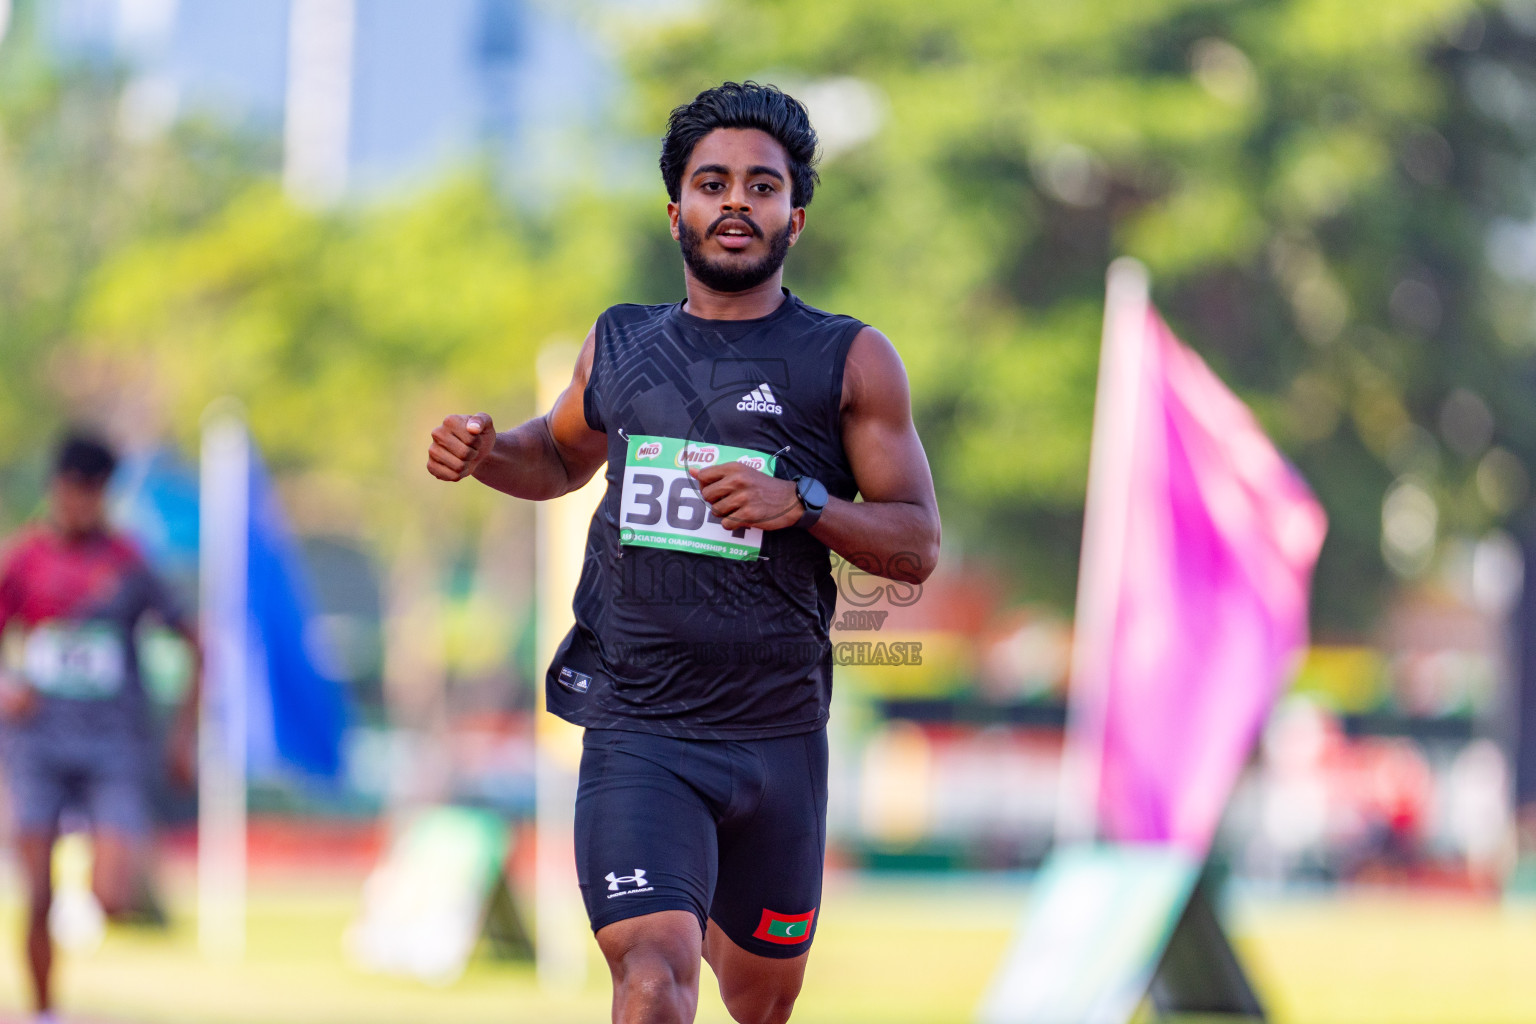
732, 277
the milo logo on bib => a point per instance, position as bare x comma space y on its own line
661, 506
697, 456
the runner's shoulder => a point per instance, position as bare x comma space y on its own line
29, 555
805, 309
24, 544
628, 313
821, 316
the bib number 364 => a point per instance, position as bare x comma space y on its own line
661, 506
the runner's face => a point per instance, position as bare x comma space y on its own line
733, 216
79, 506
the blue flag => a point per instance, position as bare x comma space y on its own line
296, 708
154, 499
301, 721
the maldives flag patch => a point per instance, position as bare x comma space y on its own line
785, 929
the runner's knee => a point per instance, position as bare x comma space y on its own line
760, 1005
37, 866
653, 985
653, 982
655, 966
39, 889
112, 895
755, 989
112, 874
39, 902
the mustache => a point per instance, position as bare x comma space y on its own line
757, 232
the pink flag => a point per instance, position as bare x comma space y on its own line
1198, 549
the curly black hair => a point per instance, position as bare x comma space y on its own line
84, 455
742, 105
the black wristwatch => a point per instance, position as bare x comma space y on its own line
813, 495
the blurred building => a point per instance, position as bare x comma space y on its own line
368, 96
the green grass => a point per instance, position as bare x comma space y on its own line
887, 951
1392, 958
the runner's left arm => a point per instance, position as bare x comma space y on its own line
894, 531
182, 741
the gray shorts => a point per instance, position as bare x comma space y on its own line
108, 783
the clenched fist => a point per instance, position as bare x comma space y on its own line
460, 445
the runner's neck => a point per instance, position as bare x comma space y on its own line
752, 304
76, 538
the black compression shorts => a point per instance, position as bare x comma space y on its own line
733, 832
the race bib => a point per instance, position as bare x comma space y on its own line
83, 662
661, 505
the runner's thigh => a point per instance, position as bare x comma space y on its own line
116, 791
645, 837
40, 787
769, 891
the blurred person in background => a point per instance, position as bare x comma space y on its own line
737, 425
76, 719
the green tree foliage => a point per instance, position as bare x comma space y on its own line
1302, 178
1333, 198
348, 335
144, 274
75, 187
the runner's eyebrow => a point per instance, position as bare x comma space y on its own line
752, 171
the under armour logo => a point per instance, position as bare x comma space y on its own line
637, 880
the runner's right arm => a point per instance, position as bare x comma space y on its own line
546, 457
10, 598
17, 698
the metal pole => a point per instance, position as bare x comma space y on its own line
1105, 517
561, 942
317, 127
223, 559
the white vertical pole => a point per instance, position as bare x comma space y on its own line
1105, 519
145, 25
317, 127
561, 934
223, 560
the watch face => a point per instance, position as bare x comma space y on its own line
813, 493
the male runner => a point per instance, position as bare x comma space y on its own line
76, 722
737, 425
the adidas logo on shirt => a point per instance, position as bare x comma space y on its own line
760, 400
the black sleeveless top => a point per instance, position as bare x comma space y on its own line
693, 645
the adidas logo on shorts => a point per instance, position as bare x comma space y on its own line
760, 400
